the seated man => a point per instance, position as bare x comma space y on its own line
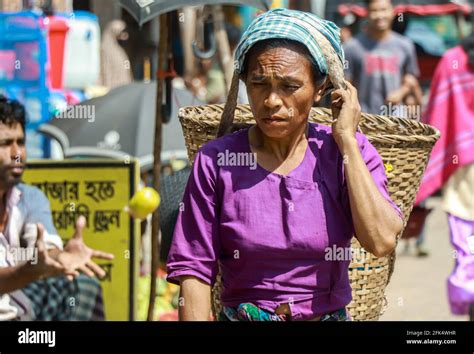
39, 279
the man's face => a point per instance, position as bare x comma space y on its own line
281, 90
380, 15
12, 154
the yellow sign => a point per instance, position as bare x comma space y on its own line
99, 190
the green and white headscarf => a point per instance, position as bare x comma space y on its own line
321, 37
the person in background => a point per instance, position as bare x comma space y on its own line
209, 85
114, 62
198, 84
39, 278
381, 63
383, 67
451, 166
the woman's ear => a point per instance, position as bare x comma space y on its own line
320, 90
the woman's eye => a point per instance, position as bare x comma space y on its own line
291, 87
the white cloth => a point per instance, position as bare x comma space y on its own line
26, 206
7, 312
458, 193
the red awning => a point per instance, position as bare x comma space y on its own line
421, 10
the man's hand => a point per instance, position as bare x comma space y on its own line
77, 256
409, 85
17, 277
396, 97
346, 113
46, 265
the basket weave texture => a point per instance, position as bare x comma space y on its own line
403, 144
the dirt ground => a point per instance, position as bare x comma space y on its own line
417, 290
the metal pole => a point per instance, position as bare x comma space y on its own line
155, 222
225, 56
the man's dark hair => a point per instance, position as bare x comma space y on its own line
368, 2
272, 43
11, 112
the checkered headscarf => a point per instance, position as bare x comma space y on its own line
321, 37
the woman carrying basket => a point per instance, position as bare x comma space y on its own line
274, 206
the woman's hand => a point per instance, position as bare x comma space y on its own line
346, 114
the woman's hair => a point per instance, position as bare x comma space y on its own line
11, 112
272, 43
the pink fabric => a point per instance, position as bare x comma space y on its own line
451, 110
461, 280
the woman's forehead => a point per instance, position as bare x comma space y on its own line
278, 61
276, 47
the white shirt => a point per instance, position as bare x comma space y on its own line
26, 206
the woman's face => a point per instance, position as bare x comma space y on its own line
281, 90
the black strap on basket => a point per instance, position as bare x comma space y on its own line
227, 118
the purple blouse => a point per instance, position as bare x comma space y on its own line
271, 235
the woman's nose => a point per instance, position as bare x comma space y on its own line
273, 101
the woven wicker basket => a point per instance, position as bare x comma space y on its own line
404, 145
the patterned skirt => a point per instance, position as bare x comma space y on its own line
251, 312
58, 299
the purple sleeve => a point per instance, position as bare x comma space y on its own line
195, 247
377, 169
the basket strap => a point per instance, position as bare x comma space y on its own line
227, 118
